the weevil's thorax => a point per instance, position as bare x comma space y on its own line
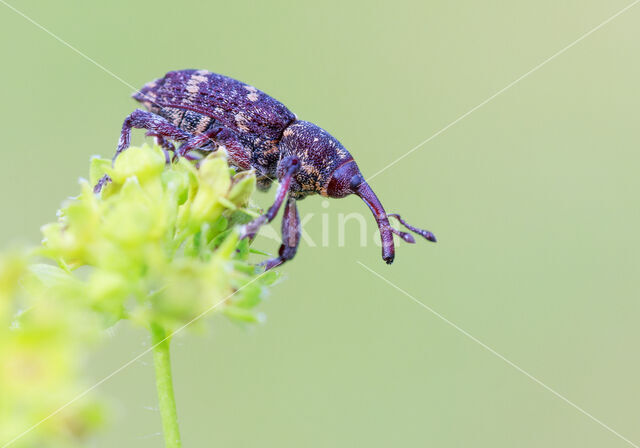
319, 153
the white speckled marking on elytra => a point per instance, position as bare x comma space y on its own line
193, 85
241, 121
252, 97
341, 152
251, 89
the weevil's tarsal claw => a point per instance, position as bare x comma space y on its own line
250, 229
271, 263
104, 180
424, 233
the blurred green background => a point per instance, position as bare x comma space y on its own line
534, 199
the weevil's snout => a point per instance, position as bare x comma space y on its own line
347, 180
386, 231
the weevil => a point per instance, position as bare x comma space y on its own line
203, 111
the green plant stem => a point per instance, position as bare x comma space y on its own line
164, 385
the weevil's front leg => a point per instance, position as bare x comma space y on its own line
289, 167
290, 235
155, 124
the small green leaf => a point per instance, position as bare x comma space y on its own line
143, 163
243, 186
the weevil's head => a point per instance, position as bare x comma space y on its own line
328, 169
346, 180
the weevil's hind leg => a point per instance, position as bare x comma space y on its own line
155, 124
290, 235
289, 167
104, 180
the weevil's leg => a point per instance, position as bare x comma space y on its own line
289, 167
424, 233
220, 136
290, 235
195, 142
155, 124
166, 145
104, 180
142, 119
235, 149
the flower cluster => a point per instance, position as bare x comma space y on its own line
157, 246
159, 241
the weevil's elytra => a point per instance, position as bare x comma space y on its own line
203, 110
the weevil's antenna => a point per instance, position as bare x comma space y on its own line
407, 237
424, 233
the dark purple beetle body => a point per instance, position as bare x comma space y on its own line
204, 110
195, 101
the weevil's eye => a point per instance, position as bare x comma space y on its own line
355, 182
344, 181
